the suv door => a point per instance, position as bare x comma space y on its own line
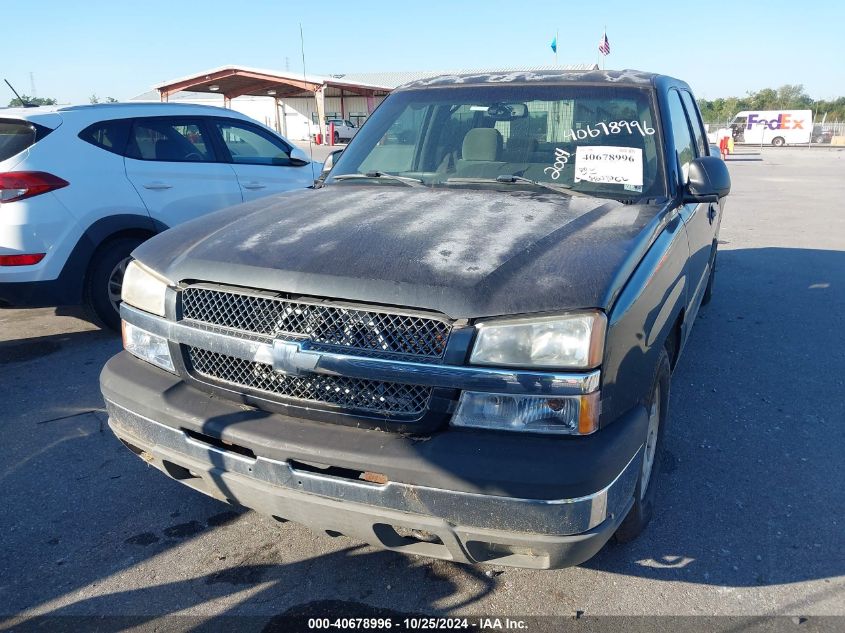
173, 166
701, 220
261, 161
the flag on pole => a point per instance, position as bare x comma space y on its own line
604, 45
554, 44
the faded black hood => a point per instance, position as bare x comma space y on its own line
465, 253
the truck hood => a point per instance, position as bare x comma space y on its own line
465, 253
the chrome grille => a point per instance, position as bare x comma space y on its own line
382, 398
328, 326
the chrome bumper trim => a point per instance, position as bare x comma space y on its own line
295, 358
550, 517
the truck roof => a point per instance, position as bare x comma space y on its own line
619, 77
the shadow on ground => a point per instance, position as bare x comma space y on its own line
749, 494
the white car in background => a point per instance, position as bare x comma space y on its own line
344, 130
82, 186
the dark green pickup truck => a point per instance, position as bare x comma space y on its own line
460, 342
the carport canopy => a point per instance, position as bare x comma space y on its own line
237, 81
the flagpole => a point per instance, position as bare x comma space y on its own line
557, 37
604, 57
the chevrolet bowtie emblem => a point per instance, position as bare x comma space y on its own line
292, 358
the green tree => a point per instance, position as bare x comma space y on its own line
95, 99
787, 97
17, 103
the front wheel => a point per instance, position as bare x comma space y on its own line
778, 141
336, 138
104, 281
644, 492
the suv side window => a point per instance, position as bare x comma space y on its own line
681, 131
250, 145
695, 123
170, 139
111, 136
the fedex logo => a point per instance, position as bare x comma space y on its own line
782, 122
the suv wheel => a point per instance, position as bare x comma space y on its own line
778, 141
104, 280
644, 492
336, 138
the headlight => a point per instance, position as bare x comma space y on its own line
567, 415
568, 341
147, 346
144, 289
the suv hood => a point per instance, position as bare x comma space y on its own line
465, 253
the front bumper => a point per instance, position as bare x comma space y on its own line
474, 496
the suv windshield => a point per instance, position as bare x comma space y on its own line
598, 140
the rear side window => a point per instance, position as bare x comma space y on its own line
17, 135
170, 140
108, 135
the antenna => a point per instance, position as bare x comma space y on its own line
24, 104
305, 79
287, 64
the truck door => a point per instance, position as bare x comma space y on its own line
701, 220
172, 165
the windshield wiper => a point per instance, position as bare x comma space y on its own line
511, 179
411, 182
547, 185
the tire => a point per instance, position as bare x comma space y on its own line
641, 512
336, 138
104, 281
778, 141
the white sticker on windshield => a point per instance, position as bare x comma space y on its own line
607, 164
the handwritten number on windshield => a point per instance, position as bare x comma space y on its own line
561, 158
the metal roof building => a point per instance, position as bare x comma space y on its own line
298, 105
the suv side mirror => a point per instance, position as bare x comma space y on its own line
298, 157
707, 180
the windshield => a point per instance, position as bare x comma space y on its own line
598, 140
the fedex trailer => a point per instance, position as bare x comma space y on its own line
778, 127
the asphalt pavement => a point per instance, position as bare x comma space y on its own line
751, 502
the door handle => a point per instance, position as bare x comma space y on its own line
712, 210
157, 185
254, 185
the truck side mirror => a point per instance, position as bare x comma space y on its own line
707, 180
331, 159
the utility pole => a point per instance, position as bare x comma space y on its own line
32, 90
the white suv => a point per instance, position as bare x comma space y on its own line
82, 186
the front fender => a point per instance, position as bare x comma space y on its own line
642, 319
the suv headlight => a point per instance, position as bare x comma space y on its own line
144, 289
566, 341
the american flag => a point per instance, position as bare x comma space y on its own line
604, 45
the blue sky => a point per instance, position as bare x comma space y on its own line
121, 48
